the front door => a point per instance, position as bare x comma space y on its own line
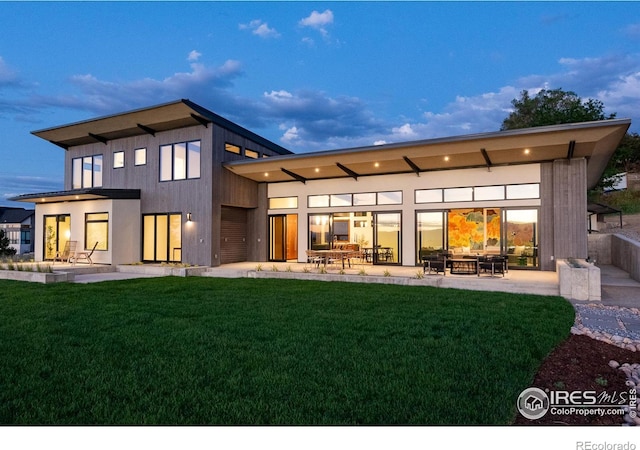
283, 237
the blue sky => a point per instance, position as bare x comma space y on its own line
307, 75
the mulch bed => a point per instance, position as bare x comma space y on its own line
575, 366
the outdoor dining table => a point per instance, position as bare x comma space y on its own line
342, 254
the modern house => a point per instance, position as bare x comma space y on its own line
178, 183
17, 224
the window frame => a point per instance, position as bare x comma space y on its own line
88, 246
78, 175
175, 152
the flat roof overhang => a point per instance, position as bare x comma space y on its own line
79, 195
595, 141
165, 117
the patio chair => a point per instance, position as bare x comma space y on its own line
86, 256
67, 252
492, 265
434, 263
314, 258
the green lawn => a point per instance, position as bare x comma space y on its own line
247, 351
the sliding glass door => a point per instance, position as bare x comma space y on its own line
57, 231
521, 236
162, 237
387, 238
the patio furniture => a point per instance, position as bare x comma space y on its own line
314, 257
436, 263
492, 265
67, 252
465, 266
86, 256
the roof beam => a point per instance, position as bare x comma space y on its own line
348, 171
570, 150
413, 165
294, 175
201, 120
148, 130
59, 144
99, 138
485, 155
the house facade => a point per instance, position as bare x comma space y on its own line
17, 224
178, 183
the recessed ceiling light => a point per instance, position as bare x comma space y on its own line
446, 158
266, 174
317, 170
527, 151
376, 165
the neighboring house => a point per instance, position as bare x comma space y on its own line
17, 224
178, 183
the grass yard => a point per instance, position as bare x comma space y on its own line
247, 351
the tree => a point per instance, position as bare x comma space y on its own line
555, 106
5, 250
552, 107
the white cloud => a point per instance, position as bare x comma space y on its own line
260, 28
318, 21
194, 56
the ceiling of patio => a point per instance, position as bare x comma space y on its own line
595, 141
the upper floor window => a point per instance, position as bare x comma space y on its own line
251, 154
86, 172
140, 156
118, 160
233, 149
180, 161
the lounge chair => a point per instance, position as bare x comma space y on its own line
67, 252
86, 256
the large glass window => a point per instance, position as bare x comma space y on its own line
57, 232
96, 230
386, 238
86, 172
430, 229
319, 232
474, 230
521, 234
162, 237
180, 161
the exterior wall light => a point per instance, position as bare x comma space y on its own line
188, 217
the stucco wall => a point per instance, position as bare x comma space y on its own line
123, 235
407, 183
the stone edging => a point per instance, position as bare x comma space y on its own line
613, 339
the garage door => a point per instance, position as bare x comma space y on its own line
233, 235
